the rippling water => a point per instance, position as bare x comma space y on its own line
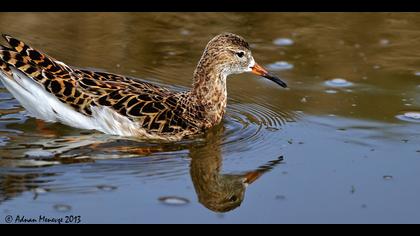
340, 145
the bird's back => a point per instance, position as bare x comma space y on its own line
110, 103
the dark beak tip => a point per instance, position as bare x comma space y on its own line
276, 80
284, 85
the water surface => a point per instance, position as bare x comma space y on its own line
340, 145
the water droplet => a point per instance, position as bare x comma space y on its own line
283, 42
338, 82
364, 206
376, 67
410, 117
331, 91
280, 65
106, 188
118, 65
384, 42
387, 177
38, 153
417, 73
357, 45
354, 105
62, 207
174, 201
185, 32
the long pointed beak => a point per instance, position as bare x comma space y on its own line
259, 70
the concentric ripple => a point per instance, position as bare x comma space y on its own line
253, 126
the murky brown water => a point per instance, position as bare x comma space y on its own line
335, 147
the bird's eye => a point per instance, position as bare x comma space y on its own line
233, 198
240, 54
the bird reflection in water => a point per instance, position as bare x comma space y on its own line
217, 191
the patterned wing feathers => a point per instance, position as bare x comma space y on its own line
156, 109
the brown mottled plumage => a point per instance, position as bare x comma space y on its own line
121, 105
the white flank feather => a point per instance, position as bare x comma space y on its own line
43, 105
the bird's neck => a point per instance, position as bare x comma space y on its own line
209, 91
